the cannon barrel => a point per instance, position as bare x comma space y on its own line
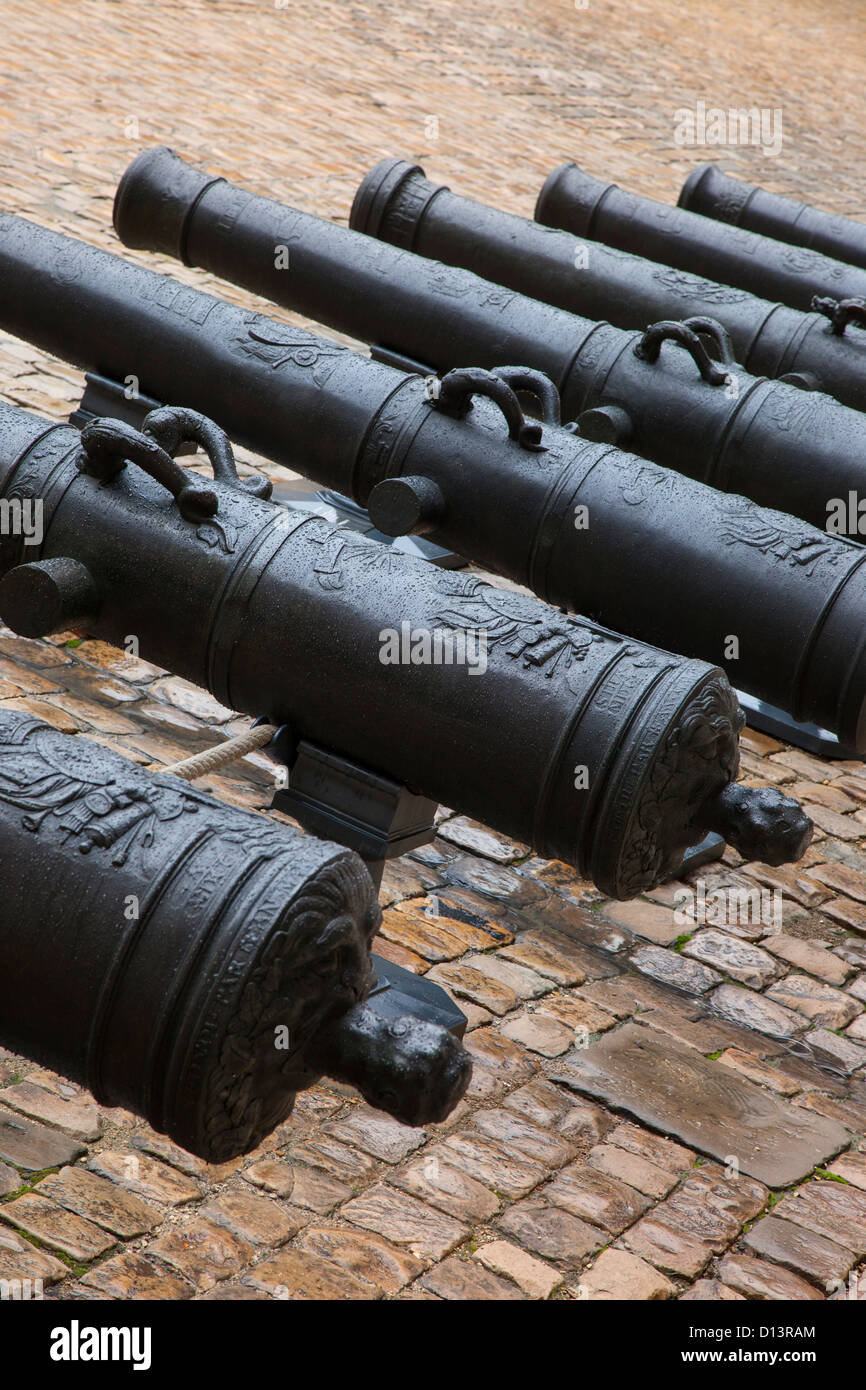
576, 202
192, 962
781, 446
397, 203
643, 550
594, 749
712, 193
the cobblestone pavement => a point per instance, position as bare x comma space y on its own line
660, 1108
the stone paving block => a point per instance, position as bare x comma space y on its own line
461, 1280
664, 1153
674, 969
760, 1279
32, 1147
158, 1146
498, 1063
10, 1180
758, 1011
546, 955
618, 1275
850, 914
802, 1251
321, 1150
825, 1006
670, 1250
650, 920
425, 1232
19, 1260
502, 1168
469, 834
631, 1169
516, 1132
201, 1251
368, 1256
841, 1053
836, 1210
759, 1072
295, 1275
526, 984
444, 1185
605, 1201
851, 1167
749, 964
691, 1098
377, 1134
468, 982
152, 1180
842, 878
540, 1033
536, 1279
810, 959
710, 1291
549, 1230
77, 1116
129, 1276
100, 1201
253, 1218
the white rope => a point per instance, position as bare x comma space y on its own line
212, 759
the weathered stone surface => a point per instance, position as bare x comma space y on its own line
425, 1232
760, 1279
713, 1206
253, 1218
201, 1251
664, 1153
99, 1200
585, 1191
300, 1275
800, 1250
851, 1167
674, 969
836, 1210
536, 1279
650, 920
759, 1072
499, 1167
148, 1177
77, 1115
710, 1291
273, 1175
850, 914
841, 1053
579, 1015
738, 959
462, 1281
31, 1146
842, 878
471, 835
365, 1255
10, 1181
498, 1064
158, 1146
757, 1011
813, 960
516, 1132
540, 1033
669, 1249
444, 1185
22, 1261
468, 982
632, 1169
321, 1150
618, 1275
316, 1191
683, 1094
526, 984
825, 1006
377, 1134
547, 955
857, 1030
129, 1275
550, 1231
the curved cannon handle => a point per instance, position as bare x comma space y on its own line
679, 332
107, 446
416, 1071
453, 395
173, 426
718, 335
535, 384
840, 312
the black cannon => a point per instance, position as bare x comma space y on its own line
825, 349
712, 193
576, 202
192, 962
395, 684
781, 446
641, 549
